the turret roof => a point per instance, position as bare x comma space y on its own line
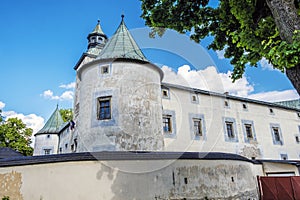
97, 30
122, 45
54, 123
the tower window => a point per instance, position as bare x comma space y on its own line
105, 69
47, 151
271, 111
104, 108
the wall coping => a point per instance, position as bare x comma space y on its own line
121, 155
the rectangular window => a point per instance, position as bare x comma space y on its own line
47, 151
226, 103
297, 139
197, 127
105, 69
229, 129
284, 156
276, 134
167, 126
104, 108
165, 93
248, 129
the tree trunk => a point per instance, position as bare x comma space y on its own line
287, 21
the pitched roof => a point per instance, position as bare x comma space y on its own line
122, 45
292, 103
6, 152
53, 125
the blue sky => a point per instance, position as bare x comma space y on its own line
41, 41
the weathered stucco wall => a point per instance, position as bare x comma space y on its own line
46, 141
136, 110
127, 180
214, 112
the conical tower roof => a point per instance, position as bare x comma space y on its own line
53, 124
97, 30
122, 45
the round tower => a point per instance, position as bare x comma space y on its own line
120, 104
47, 139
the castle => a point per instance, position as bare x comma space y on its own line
122, 105
134, 137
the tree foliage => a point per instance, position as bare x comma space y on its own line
66, 114
15, 134
1, 117
247, 30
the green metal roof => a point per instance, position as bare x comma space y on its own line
97, 30
122, 45
291, 104
53, 125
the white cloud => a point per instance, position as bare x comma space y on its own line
211, 80
65, 96
2, 105
208, 79
275, 96
68, 86
32, 120
266, 65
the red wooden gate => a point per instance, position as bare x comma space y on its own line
279, 188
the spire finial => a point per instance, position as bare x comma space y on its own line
122, 16
98, 21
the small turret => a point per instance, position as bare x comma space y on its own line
97, 40
47, 139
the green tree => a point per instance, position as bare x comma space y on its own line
1, 117
66, 114
247, 30
15, 134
